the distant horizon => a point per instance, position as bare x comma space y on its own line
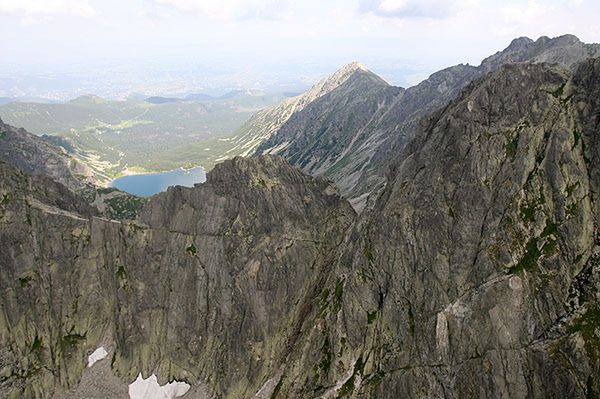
59, 49
399, 73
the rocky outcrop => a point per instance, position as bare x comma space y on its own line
209, 287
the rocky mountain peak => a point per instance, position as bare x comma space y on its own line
563, 40
338, 78
268, 185
268, 173
352, 67
520, 42
355, 78
241, 166
565, 50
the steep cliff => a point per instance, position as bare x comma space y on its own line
208, 287
476, 274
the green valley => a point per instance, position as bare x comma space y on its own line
119, 137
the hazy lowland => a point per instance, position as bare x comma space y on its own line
152, 134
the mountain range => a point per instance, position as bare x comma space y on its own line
459, 257
357, 127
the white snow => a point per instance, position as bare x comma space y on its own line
149, 389
98, 354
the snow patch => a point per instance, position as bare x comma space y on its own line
98, 354
149, 389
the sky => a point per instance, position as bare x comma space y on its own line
416, 36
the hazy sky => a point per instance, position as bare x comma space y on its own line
66, 34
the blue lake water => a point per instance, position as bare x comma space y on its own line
147, 184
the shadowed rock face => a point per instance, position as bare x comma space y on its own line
207, 287
476, 274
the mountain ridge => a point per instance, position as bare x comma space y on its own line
366, 173
497, 314
265, 123
270, 269
34, 155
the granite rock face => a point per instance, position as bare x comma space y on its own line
207, 287
476, 273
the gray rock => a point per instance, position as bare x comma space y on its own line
208, 287
476, 272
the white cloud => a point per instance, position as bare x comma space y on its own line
322, 32
436, 9
393, 5
32, 10
528, 13
230, 9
